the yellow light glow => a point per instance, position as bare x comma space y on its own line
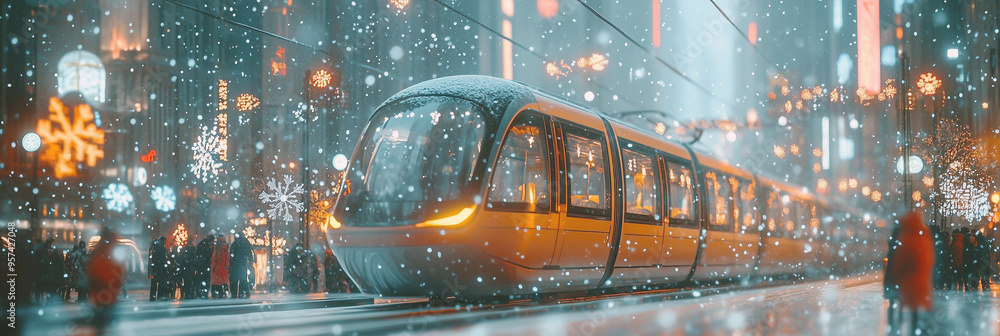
788, 106
794, 148
333, 223
995, 198
400, 4
452, 220
246, 102
223, 95
866, 190
928, 84
71, 136
928, 181
876, 196
842, 186
986, 105
817, 167
853, 183
917, 196
779, 152
817, 152
321, 79
822, 185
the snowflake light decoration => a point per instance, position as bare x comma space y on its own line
73, 137
165, 198
117, 196
205, 166
282, 199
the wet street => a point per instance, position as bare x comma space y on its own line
852, 306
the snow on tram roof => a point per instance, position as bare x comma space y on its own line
495, 93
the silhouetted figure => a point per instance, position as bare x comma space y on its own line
297, 269
313, 271
106, 278
910, 269
158, 269
957, 266
203, 266
52, 269
240, 260
220, 268
940, 257
970, 259
189, 290
985, 255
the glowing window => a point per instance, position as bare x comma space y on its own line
720, 198
521, 176
83, 72
586, 182
642, 189
681, 202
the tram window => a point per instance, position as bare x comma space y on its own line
586, 182
719, 202
681, 201
521, 176
746, 207
773, 221
642, 188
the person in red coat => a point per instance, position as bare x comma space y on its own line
106, 277
910, 268
220, 268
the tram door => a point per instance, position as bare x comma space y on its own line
584, 238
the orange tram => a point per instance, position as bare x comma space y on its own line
474, 186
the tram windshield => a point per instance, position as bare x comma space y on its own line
418, 161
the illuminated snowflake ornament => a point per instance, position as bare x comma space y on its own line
72, 136
206, 166
117, 196
282, 199
165, 198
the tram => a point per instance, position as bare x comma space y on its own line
476, 186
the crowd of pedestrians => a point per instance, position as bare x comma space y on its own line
56, 274
963, 260
216, 269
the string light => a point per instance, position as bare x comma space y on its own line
246, 102
180, 236
223, 95
779, 151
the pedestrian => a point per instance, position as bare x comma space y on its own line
970, 259
240, 259
158, 268
106, 279
70, 280
957, 266
187, 266
220, 268
173, 272
203, 265
910, 269
81, 259
313, 271
985, 255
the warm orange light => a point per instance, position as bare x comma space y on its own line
794, 148
452, 220
180, 236
556, 70
400, 4
853, 183
995, 198
876, 196
751, 32
71, 136
223, 95
779, 151
928, 181
321, 79
822, 185
246, 102
596, 61
869, 62
332, 223
817, 152
549, 8
928, 84
917, 196
986, 105
842, 186
277, 68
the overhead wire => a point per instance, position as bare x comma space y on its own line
522, 46
649, 51
753, 46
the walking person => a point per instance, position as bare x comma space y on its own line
220, 268
81, 260
158, 269
985, 255
971, 261
910, 271
957, 265
106, 278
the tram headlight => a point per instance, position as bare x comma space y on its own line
452, 220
